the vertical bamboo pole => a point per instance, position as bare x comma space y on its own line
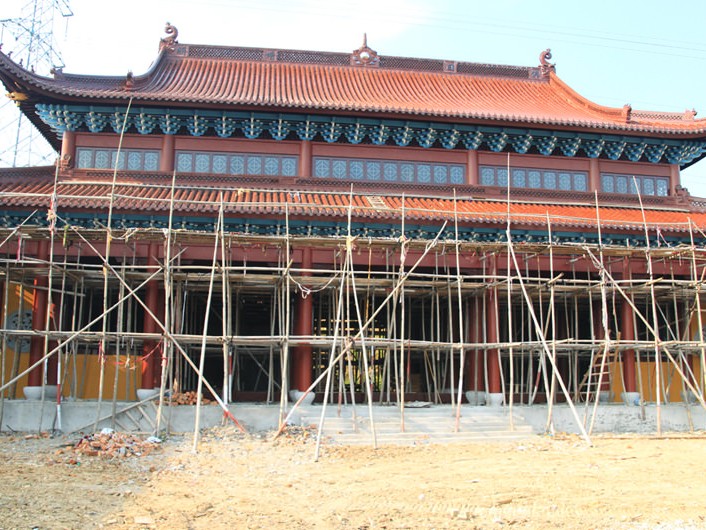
549, 426
169, 351
102, 347
655, 320
202, 358
6, 297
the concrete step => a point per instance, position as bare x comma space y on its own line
422, 425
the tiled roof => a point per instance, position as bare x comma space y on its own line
152, 196
227, 78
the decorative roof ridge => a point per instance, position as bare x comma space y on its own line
324, 58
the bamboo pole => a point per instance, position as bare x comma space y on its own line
368, 322
108, 241
655, 321
202, 357
167, 268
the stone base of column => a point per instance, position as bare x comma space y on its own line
689, 397
35, 392
147, 393
475, 397
494, 400
631, 399
295, 395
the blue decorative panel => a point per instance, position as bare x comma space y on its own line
621, 185
322, 168
648, 186
289, 167
356, 169
84, 158
373, 170
441, 174
607, 183
580, 182
117, 161
457, 175
237, 165
407, 172
535, 179
220, 164
103, 159
487, 176
340, 169
424, 173
519, 178
502, 177
390, 171
254, 165
134, 161
151, 162
271, 165
184, 162
202, 163
550, 180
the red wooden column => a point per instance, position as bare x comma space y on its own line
39, 316
474, 362
491, 336
594, 175
627, 333
166, 156
68, 149
151, 354
301, 374
305, 159
472, 167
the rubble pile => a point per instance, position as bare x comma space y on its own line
187, 398
109, 443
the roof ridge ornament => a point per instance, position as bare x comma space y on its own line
365, 56
544, 65
170, 40
627, 112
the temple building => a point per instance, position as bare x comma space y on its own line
262, 224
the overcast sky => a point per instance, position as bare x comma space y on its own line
649, 53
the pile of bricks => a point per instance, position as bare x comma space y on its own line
187, 398
109, 443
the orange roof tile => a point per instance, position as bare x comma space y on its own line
153, 195
230, 77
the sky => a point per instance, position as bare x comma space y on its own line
648, 53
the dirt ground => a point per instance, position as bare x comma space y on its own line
249, 481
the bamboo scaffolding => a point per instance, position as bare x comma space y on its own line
436, 296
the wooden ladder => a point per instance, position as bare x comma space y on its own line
599, 373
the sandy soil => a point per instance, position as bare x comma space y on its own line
238, 481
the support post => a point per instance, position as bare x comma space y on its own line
495, 396
474, 365
39, 317
301, 376
150, 353
472, 167
166, 156
305, 159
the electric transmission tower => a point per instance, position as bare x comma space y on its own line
29, 39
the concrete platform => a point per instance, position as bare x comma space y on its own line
423, 424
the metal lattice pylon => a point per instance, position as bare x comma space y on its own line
29, 39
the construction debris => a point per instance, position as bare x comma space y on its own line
188, 398
109, 443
